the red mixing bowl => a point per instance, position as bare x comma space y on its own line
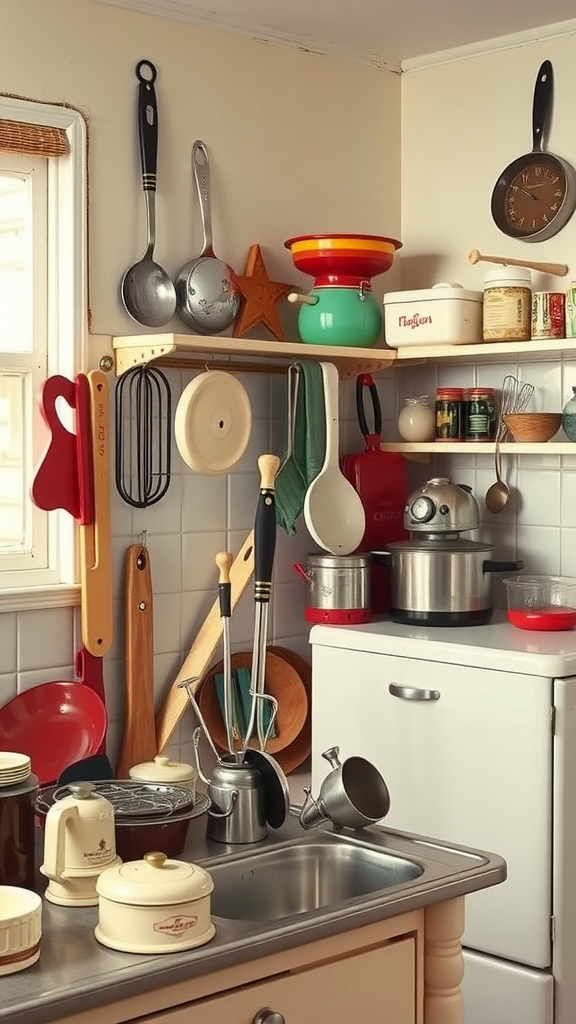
330, 257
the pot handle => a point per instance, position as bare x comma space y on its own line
224, 814
302, 572
372, 438
488, 565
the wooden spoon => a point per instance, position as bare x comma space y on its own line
558, 269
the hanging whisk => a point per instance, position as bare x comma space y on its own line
143, 436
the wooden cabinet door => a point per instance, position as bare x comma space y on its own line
377, 987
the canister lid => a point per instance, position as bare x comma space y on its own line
438, 292
338, 561
154, 881
508, 276
162, 769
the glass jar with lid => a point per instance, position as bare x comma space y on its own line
416, 421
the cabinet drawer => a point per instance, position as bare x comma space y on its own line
472, 767
378, 986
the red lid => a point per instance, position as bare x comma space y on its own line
480, 391
450, 392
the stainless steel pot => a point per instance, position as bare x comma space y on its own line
442, 580
338, 588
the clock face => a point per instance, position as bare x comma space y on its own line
527, 200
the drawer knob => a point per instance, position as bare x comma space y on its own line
268, 1016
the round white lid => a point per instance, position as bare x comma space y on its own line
162, 769
154, 881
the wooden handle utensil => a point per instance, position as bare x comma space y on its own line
557, 269
139, 741
95, 544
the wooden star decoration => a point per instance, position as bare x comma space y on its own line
259, 297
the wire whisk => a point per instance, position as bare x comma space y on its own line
515, 398
143, 436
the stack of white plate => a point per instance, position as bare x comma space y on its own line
14, 768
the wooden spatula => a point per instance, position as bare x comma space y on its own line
139, 741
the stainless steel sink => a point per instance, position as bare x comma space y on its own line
300, 877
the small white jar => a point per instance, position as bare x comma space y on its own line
416, 421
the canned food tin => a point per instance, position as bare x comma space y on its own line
548, 315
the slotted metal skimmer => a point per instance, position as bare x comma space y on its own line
143, 436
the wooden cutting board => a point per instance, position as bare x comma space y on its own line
139, 740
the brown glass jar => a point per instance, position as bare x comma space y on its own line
17, 863
449, 408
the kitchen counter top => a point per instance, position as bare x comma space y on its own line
75, 972
498, 645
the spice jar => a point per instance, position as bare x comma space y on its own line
449, 408
416, 421
506, 305
480, 419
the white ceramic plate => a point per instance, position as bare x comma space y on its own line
213, 422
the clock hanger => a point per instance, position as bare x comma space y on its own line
535, 196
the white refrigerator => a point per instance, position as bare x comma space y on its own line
474, 731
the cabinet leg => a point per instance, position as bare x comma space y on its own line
443, 962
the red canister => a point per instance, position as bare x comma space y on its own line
548, 315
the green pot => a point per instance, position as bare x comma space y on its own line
340, 316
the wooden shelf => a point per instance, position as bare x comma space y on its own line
241, 354
500, 351
479, 447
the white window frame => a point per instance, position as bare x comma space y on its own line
66, 337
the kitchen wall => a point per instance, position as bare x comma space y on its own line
298, 143
463, 122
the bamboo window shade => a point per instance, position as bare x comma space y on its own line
33, 139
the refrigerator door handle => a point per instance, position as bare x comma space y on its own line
412, 692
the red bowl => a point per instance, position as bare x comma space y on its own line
327, 257
550, 619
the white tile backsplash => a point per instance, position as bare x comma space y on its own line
45, 639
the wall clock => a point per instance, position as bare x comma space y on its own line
535, 195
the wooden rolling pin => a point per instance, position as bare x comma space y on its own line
558, 269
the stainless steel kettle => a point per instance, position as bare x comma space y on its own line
441, 506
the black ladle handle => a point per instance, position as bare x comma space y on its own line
365, 380
224, 561
147, 124
541, 105
265, 529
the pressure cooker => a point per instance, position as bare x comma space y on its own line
437, 577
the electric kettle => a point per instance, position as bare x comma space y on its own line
79, 843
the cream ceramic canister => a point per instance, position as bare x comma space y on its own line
163, 769
416, 421
154, 905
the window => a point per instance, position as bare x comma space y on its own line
42, 332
